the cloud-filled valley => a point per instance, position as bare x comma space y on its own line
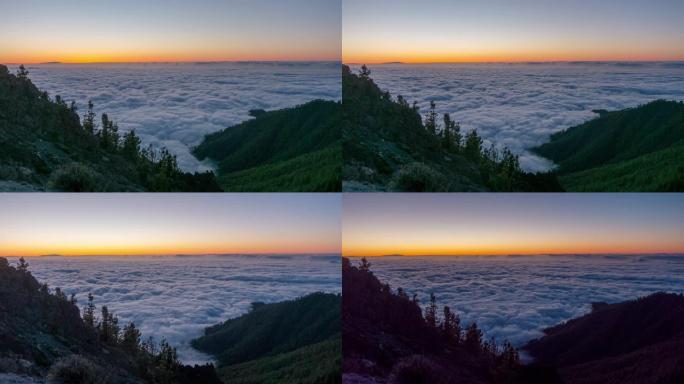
176, 104
176, 297
516, 297
520, 105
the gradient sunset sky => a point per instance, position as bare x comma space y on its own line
503, 224
35, 31
376, 31
161, 224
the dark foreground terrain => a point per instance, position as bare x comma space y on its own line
46, 338
387, 338
43, 338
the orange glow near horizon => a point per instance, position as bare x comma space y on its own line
160, 224
467, 31
511, 224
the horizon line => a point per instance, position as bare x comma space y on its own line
57, 62
409, 62
679, 254
184, 254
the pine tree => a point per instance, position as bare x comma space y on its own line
130, 339
473, 338
473, 146
446, 132
131, 145
365, 72
22, 73
89, 311
431, 311
364, 265
431, 119
23, 265
89, 119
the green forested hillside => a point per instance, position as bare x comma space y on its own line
45, 338
388, 147
295, 341
294, 149
46, 146
637, 149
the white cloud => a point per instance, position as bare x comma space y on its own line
175, 105
177, 297
520, 105
516, 297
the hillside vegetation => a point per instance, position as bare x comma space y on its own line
293, 149
634, 342
388, 338
46, 146
295, 341
45, 338
388, 146
636, 149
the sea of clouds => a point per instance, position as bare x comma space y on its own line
520, 105
176, 104
176, 297
516, 297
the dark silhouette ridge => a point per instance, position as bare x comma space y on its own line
46, 146
388, 146
294, 341
289, 150
43, 337
636, 149
639, 341
386, 338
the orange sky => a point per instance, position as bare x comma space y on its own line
79, 31
491, 224
153, 224
437, 31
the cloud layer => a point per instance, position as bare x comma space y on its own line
520, 105
177, 297
175, 105
516, 297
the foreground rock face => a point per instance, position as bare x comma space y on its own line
639, 341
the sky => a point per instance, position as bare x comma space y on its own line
504, 224
165, 224
376, 31
35, 31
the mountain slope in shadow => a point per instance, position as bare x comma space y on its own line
639, 341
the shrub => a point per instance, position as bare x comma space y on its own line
418, 177
73, 177
417, 370
76, 369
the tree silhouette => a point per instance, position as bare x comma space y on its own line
431, 119
23, 265
89, 311
473, 338
130, 339
431, 311
364, 265
365, 72
473, 146
89, 119
22, 73
131, 145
